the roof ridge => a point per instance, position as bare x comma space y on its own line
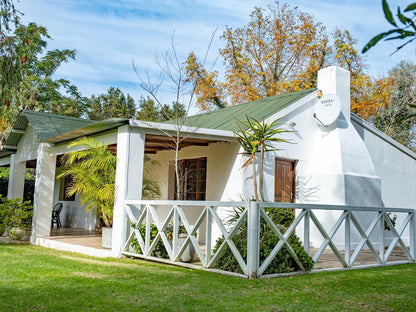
252, 102
226, 118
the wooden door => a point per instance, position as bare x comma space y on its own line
284, 180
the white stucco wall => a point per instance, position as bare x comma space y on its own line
27, 148
333, 163
394, 164
73, 213
300, 149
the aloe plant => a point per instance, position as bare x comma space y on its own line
255, 136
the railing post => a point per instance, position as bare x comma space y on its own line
306, 231
413, 235
253, 239
175, 233
347, 240
208, 238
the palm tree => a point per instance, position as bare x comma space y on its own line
257, 135
93, 177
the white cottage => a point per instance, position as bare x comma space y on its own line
336, 159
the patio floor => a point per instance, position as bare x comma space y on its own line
77, 237
75, 240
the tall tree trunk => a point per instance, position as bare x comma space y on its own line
177, 173
261, 173
256, 196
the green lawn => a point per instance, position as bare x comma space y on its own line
39, 279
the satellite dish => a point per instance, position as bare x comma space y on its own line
327, 109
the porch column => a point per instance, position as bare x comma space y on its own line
43, 196
16, 178
129, 180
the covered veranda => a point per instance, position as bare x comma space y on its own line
39, 140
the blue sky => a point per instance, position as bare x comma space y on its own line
109, 35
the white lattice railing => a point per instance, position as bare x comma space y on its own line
308, 221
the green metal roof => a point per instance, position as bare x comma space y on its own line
46, 126
226, 118
49, 125
52, 128
95, 127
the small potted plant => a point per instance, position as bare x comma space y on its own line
189, 252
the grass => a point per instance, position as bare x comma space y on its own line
39, 279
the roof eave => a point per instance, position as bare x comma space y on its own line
169, 129
96, 128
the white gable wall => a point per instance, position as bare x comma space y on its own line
333, 163
27, 148
394, 164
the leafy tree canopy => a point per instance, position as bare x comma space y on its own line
27, 79
404, 28
392, 115
113, 104
150, 111
280, 50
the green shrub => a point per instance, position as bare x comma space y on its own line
283, 261
159, 251
282, 216
14, 213
29, 186
4, 211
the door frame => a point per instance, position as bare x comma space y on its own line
294, 164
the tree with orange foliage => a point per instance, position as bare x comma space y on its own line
280, 50
209, 91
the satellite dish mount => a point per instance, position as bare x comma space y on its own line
327, 110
